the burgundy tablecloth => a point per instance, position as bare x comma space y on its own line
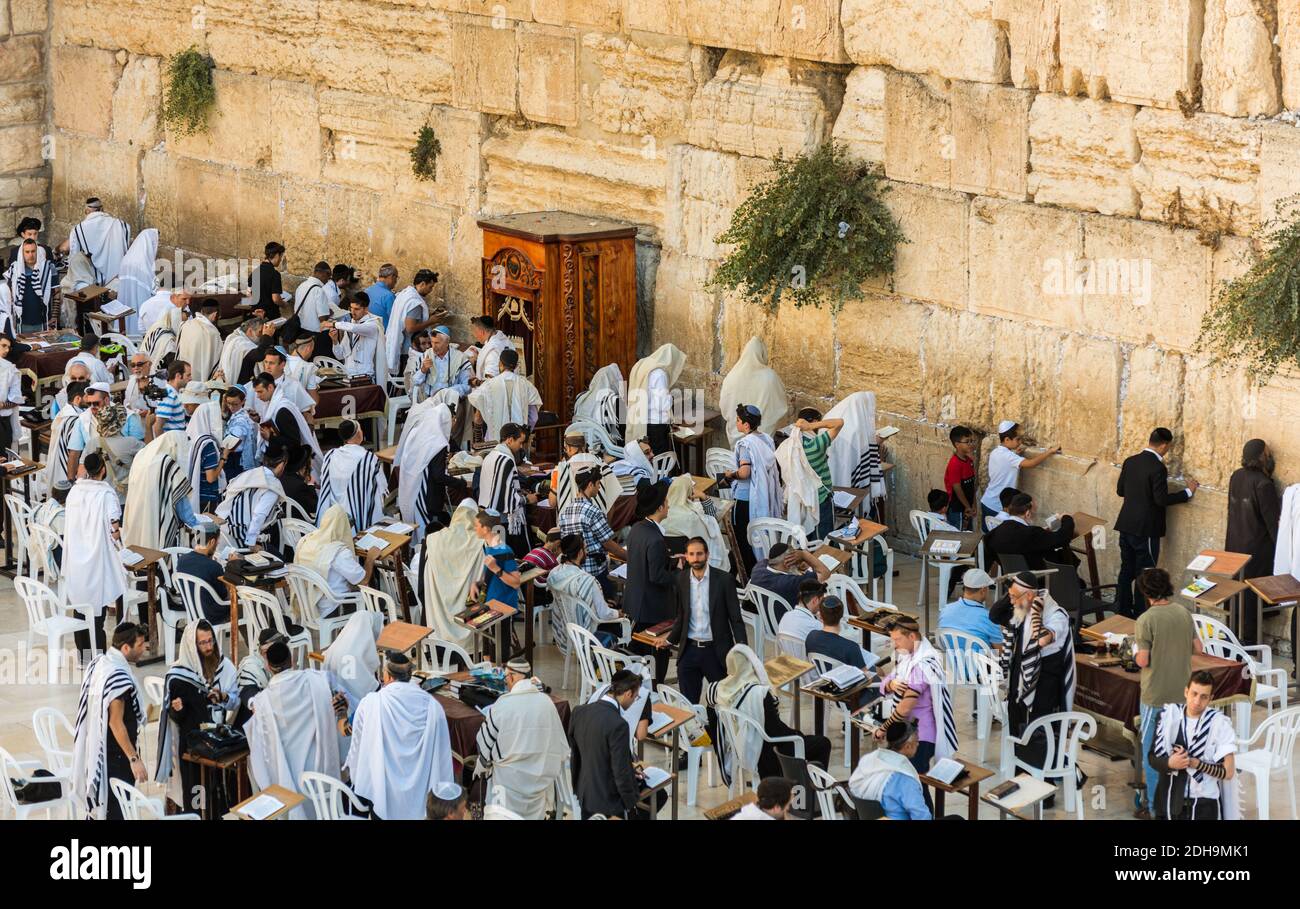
1111, 692
365, 399
464, 721
45, 362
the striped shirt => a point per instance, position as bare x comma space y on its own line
816, 449
583, 515
170, 409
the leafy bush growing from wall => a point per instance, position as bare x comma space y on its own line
424, 156
190, 94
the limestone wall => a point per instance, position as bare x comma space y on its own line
24, 143
1028, 143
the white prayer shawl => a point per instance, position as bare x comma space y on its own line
205, 433
392, 339
568, 580
744, 689
157, 482
488, 361
293, 731
105, 240
237, 505
136, 280
523, 741
1212, 740
60, 435
753, 381
874, 770
801, 484
634, 463
854, 455
16, 280
928, 660
1286, 555
80, 274
566, 482
352, 660
9, 379
163, 338
8, 317
444, 373
423, 436
686, 518
352, 477
200, 346
233, 351
498, 488
281, 401
504, 398
602, 402
92, 570
765, 496
671, 361
108, 677
453, 560
95, 366
401, 750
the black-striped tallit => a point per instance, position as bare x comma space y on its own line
499, 488
59, 460
241, 515
100, 276
932, 671
173, 486
177, 672
868, 470
358, 496
118, 682
1031, 660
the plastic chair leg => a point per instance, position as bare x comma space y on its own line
693, 757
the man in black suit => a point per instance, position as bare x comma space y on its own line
1018, 535
1144, 486
649, 597
708, 622
604, 779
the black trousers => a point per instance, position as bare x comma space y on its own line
117, 770
1136, 554
1048, 698
740, 521
82, 638
694, 666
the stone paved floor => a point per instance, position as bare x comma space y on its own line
1108, 790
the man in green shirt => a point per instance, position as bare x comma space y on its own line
1166, 639
817, 435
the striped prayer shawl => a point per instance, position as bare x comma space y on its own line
100, 276
158, 342
566, 487
118, 682
59, 462
722, 744
932, 670
241, 515
358, 496
868, 470
499, 489
201, 445
177, 672
40, 280
172, 487
1031, 660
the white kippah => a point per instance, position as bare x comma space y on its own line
1006, 425
448, 792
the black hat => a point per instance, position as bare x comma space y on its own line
269, 636
1026, 579
899, 733
649, 496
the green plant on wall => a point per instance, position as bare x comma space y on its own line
814, 230
1255, 318
190, 94
424, 156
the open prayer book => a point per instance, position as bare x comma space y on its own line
945, 547
619, 572
829, 561
262, 807
844, 677
659, 721
369, 541
114, 308
396, 527
1200, 563
654, 776
130, 557
1198, 586
842, 499
945, 770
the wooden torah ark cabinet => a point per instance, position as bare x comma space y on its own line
563, 287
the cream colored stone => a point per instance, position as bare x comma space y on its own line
208, 224
990, 130
161, 206
85, 167
686, 313
1089, 384
1033, 31
296, 137
640, 86
4, 20
886, 362
136, 102
20, 148
662, 17
598, 15
957, 39
957, 388
257, 213
240, 126
484, 65
861, 123
1288, 28
919, 143
1026, 369
763, 107
83, 79
21, 102
800, 343
544, 168
413, 236
548, 74
704, 189
28, 16
932, 266
799, 29
1082, 154
1230, 261
21, 58
1217, 404
1279, 170
1152, 396
1239, 74
163, 28
1045, 240
1200, 172
29, 189
369, 137
1136, 51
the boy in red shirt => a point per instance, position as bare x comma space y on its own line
959, 479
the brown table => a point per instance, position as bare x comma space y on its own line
149, 568
463, 722
967, 783
1084, 525
236, 761
500, 621
969, 543
1277, 590
1225, 595
29, 468
402, 636
847, 697
367, 402
680, 717
693, 441
47, 362
395, 550
784, 669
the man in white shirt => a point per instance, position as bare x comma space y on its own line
486, 357
274, 363
360, 341
300, 368
151, 310
340, 281
11, 396
803, 619
312, 304
409, 317
442, 366
1005, 464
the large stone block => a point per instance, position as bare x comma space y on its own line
548, 74
1089, 386
1033, 32
1152, 396
598, 15
661, 17
21, 58
208, 222
240, 127
283, 39
1200, 172
484, 64
4, 33
257, 213
28, 16
801, 343
764, 107
1279, 170
21, 102
136, 102
686, 313
958, 348
1288, 29
83, 80
860, 127
1082, 154
352, 218
704, 189
919, 144
369, 137
808, 30
1045, 240
1137, 51
641, 85
890, 363
28, 189
1239, 74
990, 131
958, 40
1217, 406
158, 173
296, 137
544, 168
1025, 378
933, 265
162, 28
86, 167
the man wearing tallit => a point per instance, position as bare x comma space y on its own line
505, 398
916, 691
238, 344
293, 728
424, 488
207, 457
752, 381
11, 397
351, 661
136, 279
80, 275
602, 402
118, 436
361, 343
352, 477
157, 495
110, 718
487, 356
401, 748
200, 341
1038, 657
756, 483
284, 412
330, 551
103, 238
1195, 752
91, 569
564, 485
649, 397
451, 561
800, 483
523, 745
65, 421
251, 499
30, 282
162, 340
441, 366
408, 317
690, 515
854, 454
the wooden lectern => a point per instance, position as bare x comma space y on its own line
563, 287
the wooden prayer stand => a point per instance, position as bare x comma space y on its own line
500, 621
729, 809
784, 669
967, 782
149, 568
690, 439
529, 588
29, 468
1276, 590
237, 761
395, 550
846, 697
679, 717
87, 300
289, 799
1084, 524
105, 321
402, 637
1224, 596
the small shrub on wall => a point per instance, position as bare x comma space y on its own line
424, 155
190, 94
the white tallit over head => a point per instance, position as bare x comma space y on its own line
318, 549
874, 770
634, 462
164, 337
233, 350
753, 381
401, 750
490, 353
80, 273
157, 482
453, 560
523, 741
92, 570
136, 280
406, 300
281, 400
108, 677
602, 402
744, 690
205, 423
424, 435
1286, 554
854, 455
292, 731
200, 346
668, 358
686, 518
504, 398
801, 483
567, 485
351, 659
104, 239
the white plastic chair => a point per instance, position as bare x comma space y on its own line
858, 569
135, 805
598, 438
736, 727
152, 701
825, 788
957, 647
394, 405
191, 590
764, 533
294, 529
13, 769
46, 617
716, 461
1266, 692
1272, 759
112, 337
309, 590
922, 521
695, 754
51, 727
1211, 628
171, 620
42, 566
583, 643
664, 464
20, 516
262, 610
377, 601
436, 657
320, 361
766, 603
326, 795
296, 512
1064, 733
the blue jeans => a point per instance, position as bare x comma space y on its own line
1149, 716
826, 518
956, 517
